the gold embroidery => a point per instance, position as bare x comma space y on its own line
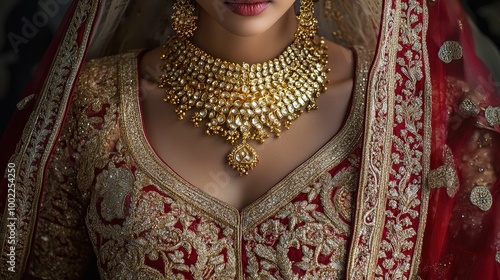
449, 51
39, 135
301, 229
61, 246
140, 230
468, 108
152, 225
96, 101
445, 175
497, 257
113, 185
398, 151
492, 115
344, 184
136, 229
163, 238
481, 197
25, 101
367, 214
407, 200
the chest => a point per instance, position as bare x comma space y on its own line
154, 226
202, 159
147, 220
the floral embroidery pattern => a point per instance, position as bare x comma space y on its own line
391, 200
404, 189
162, 238
317, 240
141, 229
113, 186
481, 197
38, 137
445, 175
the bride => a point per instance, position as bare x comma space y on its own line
256, 139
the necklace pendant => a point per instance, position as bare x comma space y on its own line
243, 158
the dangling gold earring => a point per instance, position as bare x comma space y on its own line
307, 22
183, 19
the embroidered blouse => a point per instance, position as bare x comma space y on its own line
108, 190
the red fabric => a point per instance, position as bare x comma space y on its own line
13, 134
14, 129
450, 249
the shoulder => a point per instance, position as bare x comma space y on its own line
340, 60
97, 75
342, 63
97, 97
103, 68
348, 76
102, 74
346, 63
98, 81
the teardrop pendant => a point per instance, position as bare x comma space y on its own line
243, 158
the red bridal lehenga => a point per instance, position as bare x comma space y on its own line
407, 189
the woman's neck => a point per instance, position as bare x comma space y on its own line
211, 37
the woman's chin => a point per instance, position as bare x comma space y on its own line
248, 29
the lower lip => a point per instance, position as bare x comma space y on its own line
250, 9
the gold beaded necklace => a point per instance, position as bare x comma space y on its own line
242, 101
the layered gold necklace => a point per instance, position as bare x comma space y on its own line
242, 102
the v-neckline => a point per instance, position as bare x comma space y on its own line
328, 156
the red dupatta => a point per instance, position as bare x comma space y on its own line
428, 203
462, 238
33, 131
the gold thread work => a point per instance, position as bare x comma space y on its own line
482, 198
449, 51
468, 108
492, 115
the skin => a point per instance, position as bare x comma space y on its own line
201, 159
235, 38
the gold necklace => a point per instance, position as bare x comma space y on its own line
239, 101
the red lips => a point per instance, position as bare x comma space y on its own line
247, 7
246, 1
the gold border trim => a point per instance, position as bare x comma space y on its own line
332, 153
427, 151
131, 127
362, 259
56, 91
393, 209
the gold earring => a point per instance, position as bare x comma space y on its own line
183, 18
306, 19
